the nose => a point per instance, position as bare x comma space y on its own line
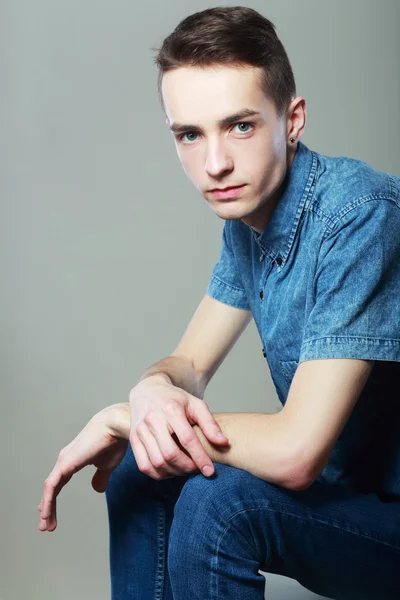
218, 161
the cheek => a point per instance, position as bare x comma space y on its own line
258, 156
190, 164
259, 166
271, 176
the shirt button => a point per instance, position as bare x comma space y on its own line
279, 260
261, 294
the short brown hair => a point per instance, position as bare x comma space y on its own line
234, 35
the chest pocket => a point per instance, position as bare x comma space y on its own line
289, 368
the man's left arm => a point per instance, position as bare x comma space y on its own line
291, 447
355, 320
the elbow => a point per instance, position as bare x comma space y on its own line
300, 475
297, 483
301, 485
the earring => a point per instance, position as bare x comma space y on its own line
292, 139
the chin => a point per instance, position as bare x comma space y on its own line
230, 210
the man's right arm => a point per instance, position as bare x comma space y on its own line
212, 332
178, 371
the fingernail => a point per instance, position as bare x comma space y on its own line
221, 435
207, 470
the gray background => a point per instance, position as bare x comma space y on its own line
107, 249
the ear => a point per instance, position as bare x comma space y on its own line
297, 116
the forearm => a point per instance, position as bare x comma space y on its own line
180, 372
257, 443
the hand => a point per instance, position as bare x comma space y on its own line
161, 434
97, 444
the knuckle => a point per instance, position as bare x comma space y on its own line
188, 438
170, 456
140, 429
143, 467
149, 418
170, 407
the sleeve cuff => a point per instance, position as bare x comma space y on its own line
227, 294
350, 347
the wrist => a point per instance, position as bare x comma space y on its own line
119, 420
158, 376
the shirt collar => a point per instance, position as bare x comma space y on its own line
277, 238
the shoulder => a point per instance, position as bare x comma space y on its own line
347, 184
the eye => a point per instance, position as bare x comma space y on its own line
182, 135
245, 123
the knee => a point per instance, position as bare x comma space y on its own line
208, 508
218, 497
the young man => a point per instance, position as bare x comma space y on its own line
311, 250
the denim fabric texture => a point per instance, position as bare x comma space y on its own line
323, 281
199, 538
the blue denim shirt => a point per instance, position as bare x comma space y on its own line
323, 281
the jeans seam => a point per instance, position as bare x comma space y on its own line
214, 560
160, 569
342, 530
318, 520
214, 563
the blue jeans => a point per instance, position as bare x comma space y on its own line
198, 538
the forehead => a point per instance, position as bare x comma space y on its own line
194, 94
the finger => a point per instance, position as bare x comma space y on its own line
143, 461
202, 415
157, 467
59, 476
100, 480
52, 520
149, 442
50, 523
51, 515
189, 439
42, 525
168, 448
142, 458
106, 465
75, 456
52, 482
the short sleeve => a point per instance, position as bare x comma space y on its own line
225, 284
357, 287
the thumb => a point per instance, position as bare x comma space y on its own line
206, 421
100, 480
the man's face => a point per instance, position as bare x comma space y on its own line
251, 151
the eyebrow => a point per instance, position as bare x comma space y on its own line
241, 114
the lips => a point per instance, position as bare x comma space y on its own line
227, 193
231, 187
